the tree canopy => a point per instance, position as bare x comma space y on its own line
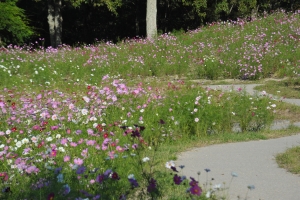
86, 21
14, 26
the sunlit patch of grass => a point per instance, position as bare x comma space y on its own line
287, 88
286, 111
290, 160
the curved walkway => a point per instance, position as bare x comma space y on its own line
253, 161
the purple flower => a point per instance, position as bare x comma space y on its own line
134, 146
174, 169
135, 133
196, 190
80, 170
133, 182
86, 193
96, 197
58, 170
115, 176
100, 178
66, 189
161, 121
177, 179
107, 173
152, 185
193, 182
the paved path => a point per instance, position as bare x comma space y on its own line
253, 162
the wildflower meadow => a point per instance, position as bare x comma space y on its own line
96, 121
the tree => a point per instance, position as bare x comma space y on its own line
13, 23
151, 15
55, 22
55, 17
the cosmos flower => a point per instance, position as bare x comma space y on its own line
177, 179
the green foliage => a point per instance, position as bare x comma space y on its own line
112, 5
13, 24
198, 6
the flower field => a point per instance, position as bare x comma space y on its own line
89, 122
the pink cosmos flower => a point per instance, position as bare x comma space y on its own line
84, 152
90, 131
73, 144
80, 141
90, 142
78, 161
63, 141
66, 158
71, 106
53, 153
119, 149
32, 169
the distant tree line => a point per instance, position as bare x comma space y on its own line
76, 22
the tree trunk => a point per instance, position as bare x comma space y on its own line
151, 19
55, 22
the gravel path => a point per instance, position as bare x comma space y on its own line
253, 161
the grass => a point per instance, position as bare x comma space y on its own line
286, 88
100, 121
290, 160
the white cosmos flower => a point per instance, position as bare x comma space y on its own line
49, 139
25, 141
58, 136
61, 149
208, 193
34, 139
131, 176
145, 159
84, 111
54, 117
86, 99
170, 164
19, 144
93, 118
